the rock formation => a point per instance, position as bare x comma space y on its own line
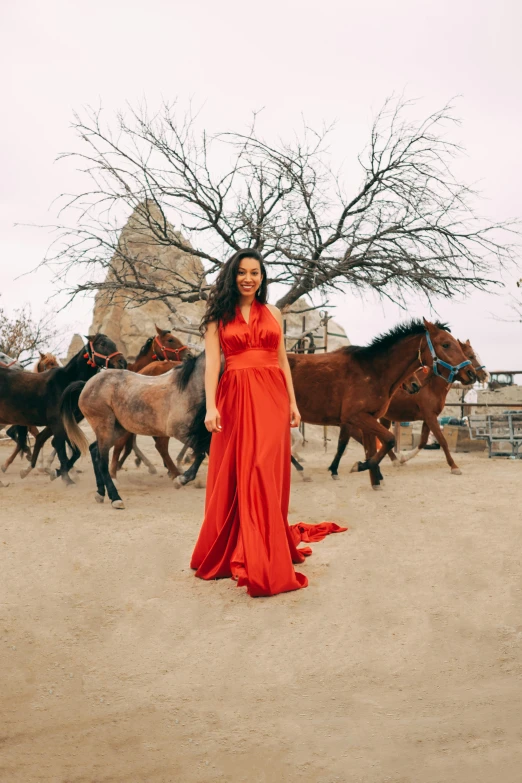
129, 326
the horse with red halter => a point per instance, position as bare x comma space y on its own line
426, 406
29, 399
164, 346
46, 362
353, 386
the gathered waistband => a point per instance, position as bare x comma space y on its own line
252, 357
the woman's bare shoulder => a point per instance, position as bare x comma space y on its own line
276, 312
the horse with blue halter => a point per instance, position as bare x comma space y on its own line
354, 385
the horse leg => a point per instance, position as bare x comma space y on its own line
100, 484
433, 425
120, 444
181, 454
370, 426
41, 438
344, 438
162, 446
12, 457
103, 464
191, 473
140, 457
59, 442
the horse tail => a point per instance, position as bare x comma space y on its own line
69, 411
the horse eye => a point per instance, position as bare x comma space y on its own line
446, 346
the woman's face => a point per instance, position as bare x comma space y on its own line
248, 277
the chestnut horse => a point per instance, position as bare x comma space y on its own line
426, 406
34, 399
353, 386
164, 346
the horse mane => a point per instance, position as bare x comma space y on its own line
144, 348
384, 342
184, 372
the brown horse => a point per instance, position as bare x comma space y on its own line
46, 362
164, 346
353, 386
34, 399
127, 442
426, 406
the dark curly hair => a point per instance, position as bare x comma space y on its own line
224, 296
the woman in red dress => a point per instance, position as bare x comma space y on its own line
245, 534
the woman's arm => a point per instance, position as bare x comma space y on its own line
212, 368
295, 416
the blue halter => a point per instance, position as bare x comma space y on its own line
453, 368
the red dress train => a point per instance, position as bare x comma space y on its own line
245, 534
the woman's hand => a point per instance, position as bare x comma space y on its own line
295, 416
213, 420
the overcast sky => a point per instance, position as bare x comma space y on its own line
324, 60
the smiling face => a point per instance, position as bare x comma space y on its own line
249, 277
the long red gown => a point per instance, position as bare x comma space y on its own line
245, 534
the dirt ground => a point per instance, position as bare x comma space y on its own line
400, 663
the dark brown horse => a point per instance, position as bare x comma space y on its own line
30, 399
164, 346
47, 361
426, 406
353, 386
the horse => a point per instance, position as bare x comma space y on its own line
164, 346
353, 385
34, 399
46, 362
426, 406
7, 362
116, 402
127, 442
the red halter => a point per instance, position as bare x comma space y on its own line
164, 350
91, 360
3, 364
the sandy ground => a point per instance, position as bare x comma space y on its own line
401, 663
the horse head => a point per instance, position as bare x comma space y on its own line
47, 361
101, 351
441, 352
167, 346
478, 368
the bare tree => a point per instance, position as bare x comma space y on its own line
21, 336
410, 225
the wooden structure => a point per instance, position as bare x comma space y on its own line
502, 431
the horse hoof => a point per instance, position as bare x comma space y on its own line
177, 483
4, 468
456, 472
397, 463
376, 487
25, 473
99, 498
53, 474
3, 485
355, 468
118, 504
335, 476
152, 470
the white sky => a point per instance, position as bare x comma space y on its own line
324, 60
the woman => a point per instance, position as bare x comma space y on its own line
245, 533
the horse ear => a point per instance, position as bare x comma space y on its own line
429, 326
158, 330
42, 355
90, 337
